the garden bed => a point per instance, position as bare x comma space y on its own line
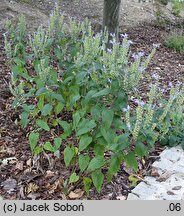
22, 180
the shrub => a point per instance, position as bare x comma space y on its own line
65, 77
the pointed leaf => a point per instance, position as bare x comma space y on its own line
83, 162
96, 163
96, 112
101, 93
24, 119
85, 126
42, 124
76, 119
48, 146
41, 101
115, 163
58, 108
98, 178
131, 161
38, 150
68, 155
57, 143
73, 178
85, 140
141, 149
107, 117
67, 128
47, 109
33, 139
87, 184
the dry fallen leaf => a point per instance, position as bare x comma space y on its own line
11, 151
20, 165
49, 174
31, 187
76, 194
9, 184
29, 162
57, 186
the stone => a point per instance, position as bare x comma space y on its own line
169, 185
172, 154
163, 164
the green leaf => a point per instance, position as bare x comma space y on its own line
17, 70
42, 124
56, 96
76, 119
41, 91
123, 142
98, 178
47, 109
172, 140
67, 128
80, 77
109, 135
19, 61
72, 100
58, 108
57, 143
115, 163
28, 108
96, 163
68, 155
33, 139
115, 86
140, 149
101, 93
85, 126
89, 95
83, 162
131, 161
24, 119
41, 102
96, 112
58, 53
48, 146
121, 101
38, 150
35, 112
87, 184
133, 180
53, 75
39, 83
99, 149
107, 117
85, 140
73, 178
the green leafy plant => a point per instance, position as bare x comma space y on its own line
177, 7
176, 42
74, 74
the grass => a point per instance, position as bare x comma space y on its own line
175, 42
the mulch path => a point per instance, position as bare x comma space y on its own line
25, 177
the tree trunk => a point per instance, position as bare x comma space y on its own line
111, 16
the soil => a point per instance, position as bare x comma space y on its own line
27, 177
132, 12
